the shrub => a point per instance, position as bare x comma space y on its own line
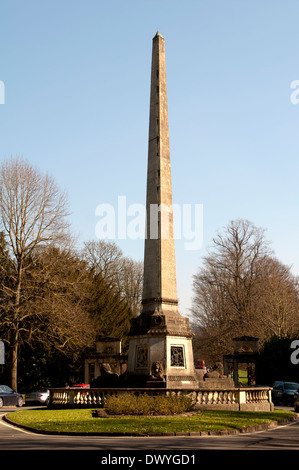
130, 403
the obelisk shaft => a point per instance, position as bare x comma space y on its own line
160, 339
159, 288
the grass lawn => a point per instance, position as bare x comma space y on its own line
81, 420
243, 379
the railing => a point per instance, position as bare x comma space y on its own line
235, 399
251, 398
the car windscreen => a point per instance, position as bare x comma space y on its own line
291, 386
5, 388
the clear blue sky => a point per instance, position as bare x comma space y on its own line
77, 78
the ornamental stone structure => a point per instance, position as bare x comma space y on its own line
160, 341
245, 353
160, 344
105, 354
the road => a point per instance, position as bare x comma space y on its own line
282, 438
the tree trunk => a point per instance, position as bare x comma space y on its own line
14, 364
15, 332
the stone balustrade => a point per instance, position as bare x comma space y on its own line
243, 399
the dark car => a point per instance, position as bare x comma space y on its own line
9, 397
296, 401
283, 392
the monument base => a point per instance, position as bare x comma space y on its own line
155, 384
161, 361
216, 383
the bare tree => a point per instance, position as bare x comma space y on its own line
105, 258
224, 288
122, 273
278, 301
131, 282
241, 289
33, 214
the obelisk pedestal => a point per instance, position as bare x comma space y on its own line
160, 340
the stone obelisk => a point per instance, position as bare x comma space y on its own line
160, 345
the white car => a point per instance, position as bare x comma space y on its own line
41, 396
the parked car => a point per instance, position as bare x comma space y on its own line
40, 396
296, 401
283, 392
200, 364
81, 385
9, 397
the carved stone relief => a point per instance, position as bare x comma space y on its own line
177, 356
141, 357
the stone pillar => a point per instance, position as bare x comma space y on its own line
159, 252
236, 372
160, 348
